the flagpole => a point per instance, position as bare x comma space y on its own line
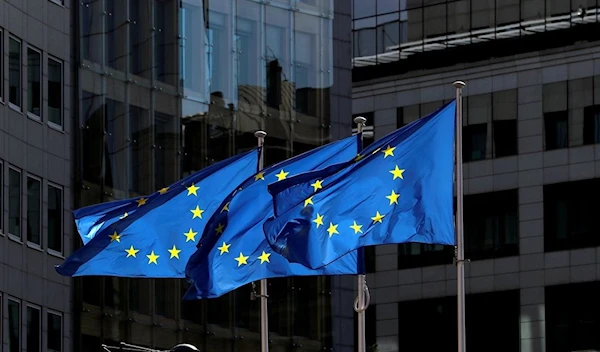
360, 304
264, 312
460, 250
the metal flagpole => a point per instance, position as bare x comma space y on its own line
361, 304
264, 312
460, 250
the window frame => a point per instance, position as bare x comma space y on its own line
18, 238
29, 113
39, 309
62, 327
1, 74
39, 179
2, 222
62, 224
18, 108
20, 323
62, 91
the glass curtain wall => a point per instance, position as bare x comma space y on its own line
167, 87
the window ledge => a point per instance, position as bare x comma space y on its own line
55, 254
34, 117
15, 107
15, 238
56, 127
35, 246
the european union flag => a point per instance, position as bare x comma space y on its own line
233, 250
398, 190
154, 236
89, 220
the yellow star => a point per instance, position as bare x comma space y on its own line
318, 220
192, 190
393, 197
358, 157
259, 176
174, 252
389, 151
242, 259
281, 175
152, 258
124, 216
163, 190
190, 235
224, 248
219, 229
115, 237
308, 201
378, 218
141, 201
397, 173
264, 257
356, 227
131, 252
197, 212
317, 185
225, 207
332, 229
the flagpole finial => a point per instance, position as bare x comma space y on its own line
260, 134
459, 84
360, 120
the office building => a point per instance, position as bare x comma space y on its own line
531, 169
35, 175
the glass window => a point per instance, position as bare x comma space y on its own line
557, 7
55, 91
140, 38
591, 125
140, 149
483, 14
388, 33
1, 201
474, 142
505, 138
277, 52
491, 224
459, 16
14, 326
569, 217
507, 11
365, 37
193, 33
166, 42
55, 333
166, 139
14, 202
34, 79
413, 255
435, 21
532, 10
55, 219
572, 317
14, 71
139, 295
556, 127
34, 329
91, 13
116, 163
365, 8
116, 25
2, 66
34, 210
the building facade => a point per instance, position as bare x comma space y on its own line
35, 175
167, 87
531, 169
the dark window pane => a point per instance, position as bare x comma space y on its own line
491, 225
91, 21
370, 256
139, 296
556, 128
34, 79
166, 43
569, 221
91, 290
483, 13
192, 310
140, 34
572, 317
591, 124
33, 329
115, 165
92, 137
55, 208
55, 334
413, 255
140, 151
166, 137
14, 202
474, 142
1, 196
164, 290
55, 91
14, 326
34, 210
505, 137
116, 35
14, 72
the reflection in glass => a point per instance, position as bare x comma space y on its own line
139, 151
166, 43
92, 122
14, 72
34, 210
249, 62
55, 334
116, 21
166, 140
55, 210
14, 202
91, 31
277, 52
34, 329
193, 33
140, 38
14, 326
55, 91
34, 86
115, 177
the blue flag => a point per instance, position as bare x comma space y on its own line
233, 250
91, 219
398, 190
161, 231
